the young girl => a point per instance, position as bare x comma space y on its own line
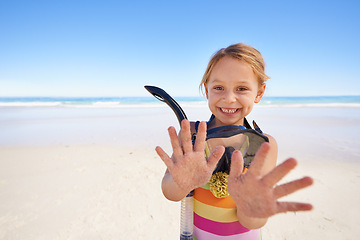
234, 80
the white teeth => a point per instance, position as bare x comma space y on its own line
228, 110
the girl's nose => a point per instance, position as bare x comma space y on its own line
229, 96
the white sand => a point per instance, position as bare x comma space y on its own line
93, 174
83, 192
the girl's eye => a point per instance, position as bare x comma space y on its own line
242, 89
218, 88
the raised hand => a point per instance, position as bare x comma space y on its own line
256, 196
188, 166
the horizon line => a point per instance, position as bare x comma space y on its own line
175, 96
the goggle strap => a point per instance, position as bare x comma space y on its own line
256, 127
246, 123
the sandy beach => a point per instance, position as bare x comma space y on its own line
92, 173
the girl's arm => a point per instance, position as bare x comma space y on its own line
170, 189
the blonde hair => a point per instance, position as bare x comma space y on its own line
242, 52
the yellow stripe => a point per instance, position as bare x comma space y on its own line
217, 214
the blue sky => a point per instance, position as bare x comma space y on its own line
113, 48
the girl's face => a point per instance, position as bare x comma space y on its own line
231, 90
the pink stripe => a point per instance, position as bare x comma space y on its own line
223, 229
250, 235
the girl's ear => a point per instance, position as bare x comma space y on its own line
260, 93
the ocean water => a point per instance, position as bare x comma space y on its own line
328, 122
124, 102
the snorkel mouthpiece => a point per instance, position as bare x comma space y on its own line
218, 184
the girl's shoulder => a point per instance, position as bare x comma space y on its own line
272, 140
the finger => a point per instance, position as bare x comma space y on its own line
293, 207
275, 175
175, 143
293, 186
200, 138
215, 156
186, 136
237, 164
166, 159
259, 159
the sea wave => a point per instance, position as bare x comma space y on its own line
187, 102
161, 105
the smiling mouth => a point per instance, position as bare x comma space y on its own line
229, 110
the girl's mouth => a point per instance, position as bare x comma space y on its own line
229, 110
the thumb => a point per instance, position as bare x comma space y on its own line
237, 164
215, 156
163, 155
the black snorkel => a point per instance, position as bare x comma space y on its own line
161, 95
187, 204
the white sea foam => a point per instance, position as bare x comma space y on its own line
161, 105
149, 102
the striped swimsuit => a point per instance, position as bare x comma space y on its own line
216, 218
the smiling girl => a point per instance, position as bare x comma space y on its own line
233, 82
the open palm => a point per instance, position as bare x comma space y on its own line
188, 166
256, 196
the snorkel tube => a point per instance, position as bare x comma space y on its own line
187, 204
161, 95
